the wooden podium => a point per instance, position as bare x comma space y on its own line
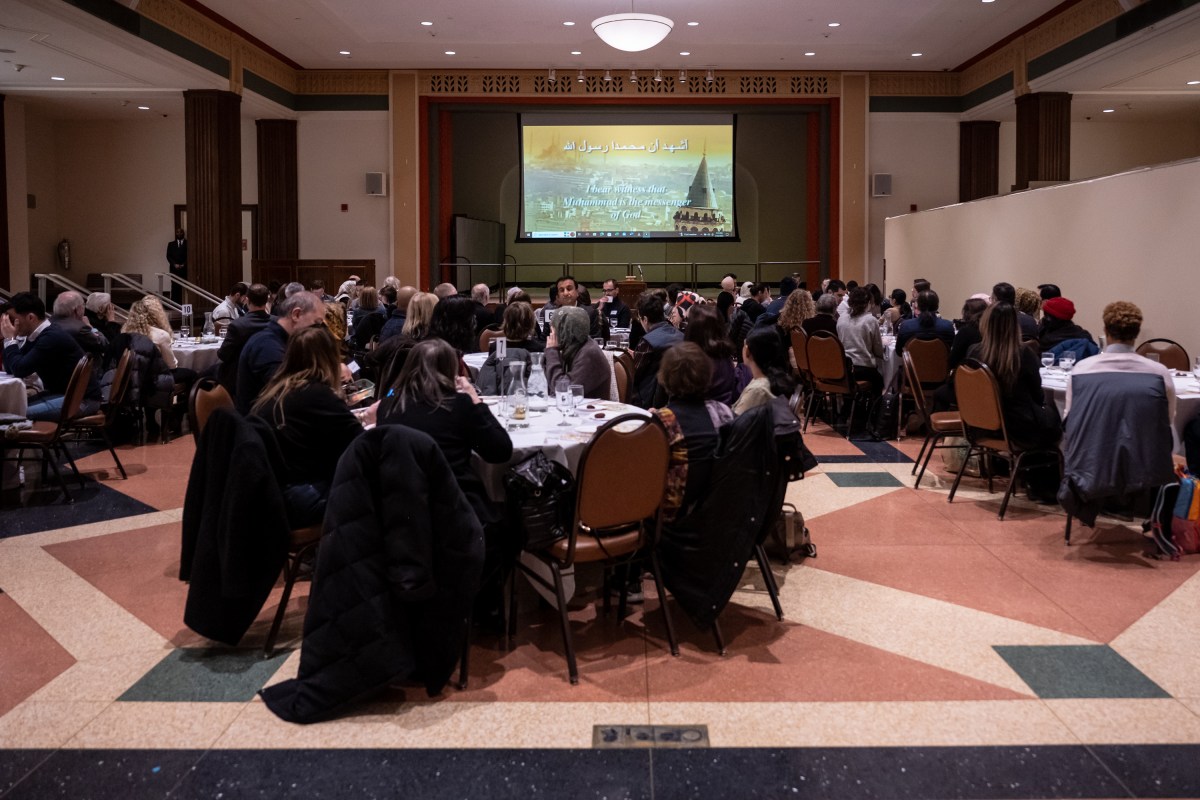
629, 290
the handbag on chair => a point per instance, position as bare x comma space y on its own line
541, 499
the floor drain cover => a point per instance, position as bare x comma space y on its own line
614, 736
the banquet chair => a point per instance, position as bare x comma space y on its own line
100, 422
206, 397
623, 369
485, 339
938, 425
800, 353
832, 377
47, 437
606, 532
1171, 354
931, 363
983, 423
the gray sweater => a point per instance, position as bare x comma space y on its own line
592, 369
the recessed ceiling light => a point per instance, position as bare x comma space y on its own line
1193, 83
810, 54
450, 52
576, 52
143, 108
989, 1
343, 52
426, 24
685, 52
835, 24
917, 55
56, 78
693, 24
568, 23
1109, 110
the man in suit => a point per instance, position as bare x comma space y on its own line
177, 262
33, 345
239, 332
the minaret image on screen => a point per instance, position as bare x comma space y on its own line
701, 214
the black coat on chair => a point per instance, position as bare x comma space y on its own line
396, 576
704, 554
235, 530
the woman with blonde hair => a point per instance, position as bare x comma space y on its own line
303, 401
146, 316
798, 307
419, 315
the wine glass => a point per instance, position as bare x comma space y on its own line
562, 398
576, 398
1196, 368
1047, 360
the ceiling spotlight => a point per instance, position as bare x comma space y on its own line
658, 76
343, 52
1193, 83
576, 52
708, 76
580, 76
19, 67
835, 24
810, 54
989, 1
693, 24
1109, 110
450, 52
426, 24
552, 76
608, 75
568, 24
917, 55
632, 32
685, 52
143, 108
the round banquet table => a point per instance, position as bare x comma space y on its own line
193, 355
13, 399
476, 360
1187, 397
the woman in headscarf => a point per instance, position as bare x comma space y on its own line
571, 352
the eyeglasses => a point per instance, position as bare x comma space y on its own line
613, 290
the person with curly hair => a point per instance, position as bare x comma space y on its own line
798, 307
1029, 302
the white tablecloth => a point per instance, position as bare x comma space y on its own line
12, 396
891, 364
1187, 397
475, 361
191, 355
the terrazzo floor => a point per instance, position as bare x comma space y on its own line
929, 650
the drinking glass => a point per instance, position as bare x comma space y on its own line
576, 398
1067, 360
1152, 356
185, 332
1196, 368
1047, 360
562, 398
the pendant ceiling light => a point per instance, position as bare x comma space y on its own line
632, 32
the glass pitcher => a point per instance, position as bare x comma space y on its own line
209, 329
536, 386
515, 391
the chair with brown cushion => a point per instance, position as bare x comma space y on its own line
982, 416
832, 377
938, 425
47, 437
627, 458
100, 422
302, 543
206, 397
485, 339
800, 353
623, 368
1171, 354
931, 360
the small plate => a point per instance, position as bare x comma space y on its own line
491, 401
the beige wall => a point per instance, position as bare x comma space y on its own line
920, 152
1126, 237
1104, 148
335, 151
16, 167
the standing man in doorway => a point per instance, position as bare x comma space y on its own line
177, 262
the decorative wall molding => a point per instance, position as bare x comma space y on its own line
1070, 24
726, 84
340, 81
272, 69
925, 84
996, 65
188, 23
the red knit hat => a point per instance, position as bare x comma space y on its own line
1059, 308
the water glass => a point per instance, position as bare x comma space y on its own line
562, 399
185, 332
576, 397
1067, 360
1047, 360
1152, 356
1196, 368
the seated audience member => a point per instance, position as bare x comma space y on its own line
567, 296
738, 322
419, 317
798, 308
899, 300
387, 296
394, 325
444, 290
518, 332
859, 334
69, 315
878, 303
453, 321
967, 333
512, 295
838, 291
47, 350
787, 285
744, 292
611, 307
335, 323
764, 353
366, 303
1048, 290
824, 319
920, 285
264, 351
102, 314
706, 330
691, 422
303, 401
317, 287
1058, 328
570, 351
519, 327
1029, 302
1006, 293
480, 296
152, 363
430, 396
1030, 421
1122, 326
160, 334
659, 335
285, 291
926, 324
230, 308
239, 332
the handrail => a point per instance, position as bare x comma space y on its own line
5, 294
166, 280
508, 271
44, 278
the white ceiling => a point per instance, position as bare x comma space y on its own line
110, 73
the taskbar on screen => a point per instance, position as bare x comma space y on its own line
626, 235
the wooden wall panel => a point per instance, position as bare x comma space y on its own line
978, 159
214, 188
1043, 138
278, 196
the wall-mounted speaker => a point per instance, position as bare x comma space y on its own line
881, 184
377, 184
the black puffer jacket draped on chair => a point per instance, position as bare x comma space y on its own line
396, 575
